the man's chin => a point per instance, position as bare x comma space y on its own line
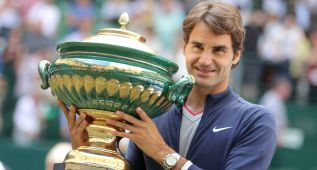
204, 84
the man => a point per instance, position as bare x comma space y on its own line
215, 129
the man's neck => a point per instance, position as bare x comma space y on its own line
196, 98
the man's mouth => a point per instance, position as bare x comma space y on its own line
204, 69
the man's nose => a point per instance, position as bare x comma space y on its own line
205, 58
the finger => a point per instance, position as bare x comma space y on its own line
72, 116
79, 121
63, 107
123, 116
143, 115
82, 127
120, 125
123, 134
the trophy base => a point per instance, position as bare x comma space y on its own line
93, 158
73, 166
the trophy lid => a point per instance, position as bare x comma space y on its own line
119, 43
121, 37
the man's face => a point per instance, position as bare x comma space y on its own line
209, 58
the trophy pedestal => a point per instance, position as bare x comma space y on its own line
103, 152
62, 166
93, 158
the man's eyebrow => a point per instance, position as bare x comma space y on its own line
220, 47
196, 43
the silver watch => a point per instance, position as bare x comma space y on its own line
170, 160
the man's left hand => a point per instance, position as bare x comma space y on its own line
143, 132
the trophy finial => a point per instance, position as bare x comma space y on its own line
124, 20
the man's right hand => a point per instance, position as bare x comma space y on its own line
77, 128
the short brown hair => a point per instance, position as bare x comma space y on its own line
220, 17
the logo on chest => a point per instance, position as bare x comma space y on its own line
215, 129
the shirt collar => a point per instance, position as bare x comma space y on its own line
216, 101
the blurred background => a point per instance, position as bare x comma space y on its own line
278, 68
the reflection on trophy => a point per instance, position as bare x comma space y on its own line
113, 70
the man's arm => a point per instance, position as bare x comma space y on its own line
136, 160
255, 144
135, 157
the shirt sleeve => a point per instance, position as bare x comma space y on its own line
135, 157
255, 144
194, 167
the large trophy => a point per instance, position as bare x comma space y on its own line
113, 70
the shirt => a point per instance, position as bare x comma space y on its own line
232, 134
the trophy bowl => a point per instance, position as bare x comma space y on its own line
113, 70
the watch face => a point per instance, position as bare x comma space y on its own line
171, 160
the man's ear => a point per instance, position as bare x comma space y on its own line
184, 46
236, 59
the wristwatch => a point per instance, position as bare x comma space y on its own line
170, 160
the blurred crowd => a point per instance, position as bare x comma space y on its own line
281, 41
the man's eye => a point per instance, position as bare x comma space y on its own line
219, 50
200, 47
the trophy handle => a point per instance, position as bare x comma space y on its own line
43, 70
180, 90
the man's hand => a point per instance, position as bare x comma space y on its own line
77, 128
143, 133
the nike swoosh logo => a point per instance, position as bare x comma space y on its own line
215, 129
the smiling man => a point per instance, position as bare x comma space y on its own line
215, 129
